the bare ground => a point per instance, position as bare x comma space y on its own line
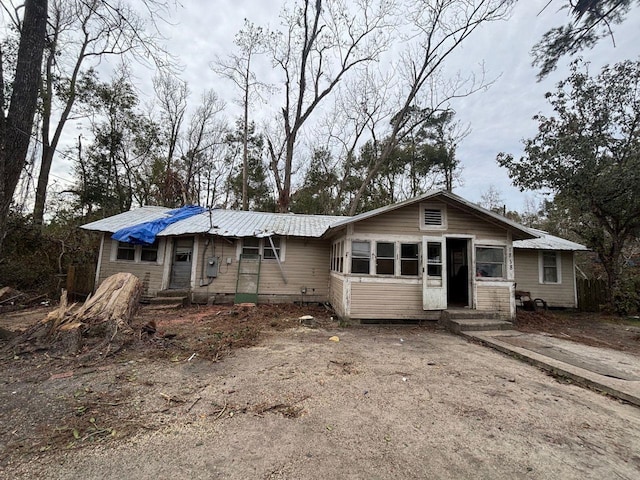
264, 397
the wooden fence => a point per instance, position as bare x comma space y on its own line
80, 281
591, 294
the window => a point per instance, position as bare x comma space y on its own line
251, 246
549, 267
269, 252
385, 258
149, 253
337, 252
360, 257
126, 251
409, 259
262, 246
434, 259
490, 262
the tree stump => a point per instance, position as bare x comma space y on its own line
102, 325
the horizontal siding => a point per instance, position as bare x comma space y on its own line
406, 221
493, 298
306, 265
528, 279
336, 290
386, 300
149, 274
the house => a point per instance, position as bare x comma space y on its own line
409, 260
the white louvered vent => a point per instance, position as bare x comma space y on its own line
432, 216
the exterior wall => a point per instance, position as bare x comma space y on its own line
495, 297
406, 221
384, 297
149, 273
386, 300
305, 265
336, 293
561, 294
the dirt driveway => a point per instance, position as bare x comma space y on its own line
382, 402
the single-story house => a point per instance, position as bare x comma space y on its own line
409, 260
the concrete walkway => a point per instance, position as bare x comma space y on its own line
610, 371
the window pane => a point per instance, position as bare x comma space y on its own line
490, 254
360, 249
409, 250
149, 252
126, 251
360, 265
409, 267
385, 266
268, 251
434, 252
251, 246
385, 250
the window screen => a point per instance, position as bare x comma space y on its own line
385, 258
360, 257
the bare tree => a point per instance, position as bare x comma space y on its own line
82, 31
16, 119
251, 41
436, 30
319, 45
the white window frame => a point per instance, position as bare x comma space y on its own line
370, 257
504, 275
264, 241
558, 257
433, 206
137, 253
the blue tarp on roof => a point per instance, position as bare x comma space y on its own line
145, 233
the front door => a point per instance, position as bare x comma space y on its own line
181, 263
458, 272
434, 273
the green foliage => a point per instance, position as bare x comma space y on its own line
258, 192
588, 155
593, 21
35, 258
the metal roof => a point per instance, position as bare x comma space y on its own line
235, 223
546, 241
518, 230
127, 219
239, 223
226, 223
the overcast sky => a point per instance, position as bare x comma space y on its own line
499, 118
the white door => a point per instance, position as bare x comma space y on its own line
434, 278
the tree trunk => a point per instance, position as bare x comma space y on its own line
16, 127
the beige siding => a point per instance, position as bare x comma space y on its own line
494, 298
150, 274
306, 264
386, 300
528, 279
336, 294
406, 221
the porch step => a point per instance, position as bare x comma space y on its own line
173, 292
458, 320
170, 299
458, 325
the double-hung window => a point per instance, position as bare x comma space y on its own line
385, 258
409, 259
549, 267
360, 257
490, 262
128, 252
262, 246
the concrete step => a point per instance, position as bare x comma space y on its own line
469, 314
474, 324
168, 302
173, 293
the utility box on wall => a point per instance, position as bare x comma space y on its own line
212, 267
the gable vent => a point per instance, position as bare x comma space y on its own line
432, 216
